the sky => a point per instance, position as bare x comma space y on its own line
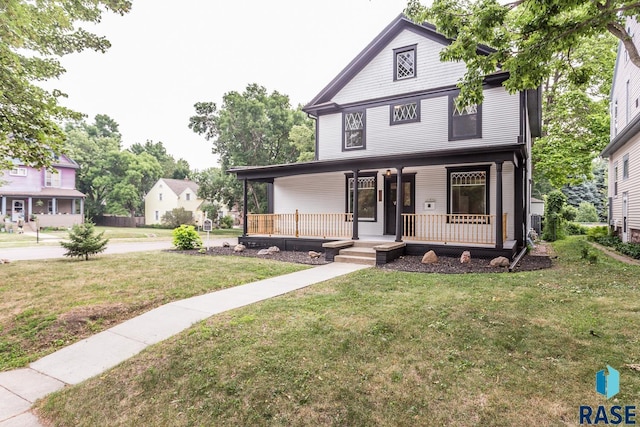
168, 55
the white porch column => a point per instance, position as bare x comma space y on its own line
29, 209
82, 209
54, 206
4, 206
73, 206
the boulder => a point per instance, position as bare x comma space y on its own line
314, 254
430, 258
226, 245
264, 252
274, 249
239, 248
465, 258
499, 262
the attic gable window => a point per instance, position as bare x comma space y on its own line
464, 123
354, 135
404, 63
405, 113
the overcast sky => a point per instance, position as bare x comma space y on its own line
168, 55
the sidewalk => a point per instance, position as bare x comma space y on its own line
94, 355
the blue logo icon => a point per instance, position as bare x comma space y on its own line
608, 385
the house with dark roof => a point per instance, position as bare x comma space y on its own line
623, 150
399, 165
48, 195
168, 194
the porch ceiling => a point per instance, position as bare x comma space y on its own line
508, 153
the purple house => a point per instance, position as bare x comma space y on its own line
48, 195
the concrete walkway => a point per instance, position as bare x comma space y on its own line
20, 388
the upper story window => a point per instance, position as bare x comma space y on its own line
465, 123
404, 63
405, 113
354, 135
52, 179
160, 196
18, 172
625, 166
468, 191
187, 196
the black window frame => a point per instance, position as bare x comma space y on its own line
347, 207
401, 122
396, 52
364, 129
452, 109
477, 168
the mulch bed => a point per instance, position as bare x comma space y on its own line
405, 263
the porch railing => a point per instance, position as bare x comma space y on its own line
478, 229
301, 224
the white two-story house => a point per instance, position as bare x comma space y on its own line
623, 150
396, 161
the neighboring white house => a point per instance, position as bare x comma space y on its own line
623, 150
168, 194
396, 160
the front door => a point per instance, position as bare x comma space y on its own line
390, 200
18, 210
625, 213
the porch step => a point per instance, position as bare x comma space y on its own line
355, 259
367, 243
361, 251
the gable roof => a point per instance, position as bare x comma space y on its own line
399, 24
178, 186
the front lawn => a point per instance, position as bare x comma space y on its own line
48, 304
388, 349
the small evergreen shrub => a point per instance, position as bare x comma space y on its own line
186, 237
177, 217
84, 242
594, 233
553, 216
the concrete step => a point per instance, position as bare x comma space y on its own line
355, 259
366, 243
359, 251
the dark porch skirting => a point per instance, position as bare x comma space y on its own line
411, 248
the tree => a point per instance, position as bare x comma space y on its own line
528, 37
32, 35
250, 129
217, 186
114, 181
170, 167
177, 217
553, 217
84, 242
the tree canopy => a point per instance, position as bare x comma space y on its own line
252, 128
528, 36
33, 35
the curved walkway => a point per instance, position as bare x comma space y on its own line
20, 388
616, 255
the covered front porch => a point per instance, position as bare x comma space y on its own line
63, 208
447, 200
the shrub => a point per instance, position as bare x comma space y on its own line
226, 221
84, 242
587, 213
573, 228
553, 218
177, 217
595, 233
186, 237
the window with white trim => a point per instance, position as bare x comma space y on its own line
187, 196
405, 113
18, 171
160, 196
52, 179
366, 197
404, 63
465, 122
354, 136
625, 166
615, 178
468, 191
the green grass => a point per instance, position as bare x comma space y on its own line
388, 349
45, 305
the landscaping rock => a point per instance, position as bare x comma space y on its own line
274, 249
264, 252
499, 262
465, 258
430, 258
239, 248
226, 245
314, 254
